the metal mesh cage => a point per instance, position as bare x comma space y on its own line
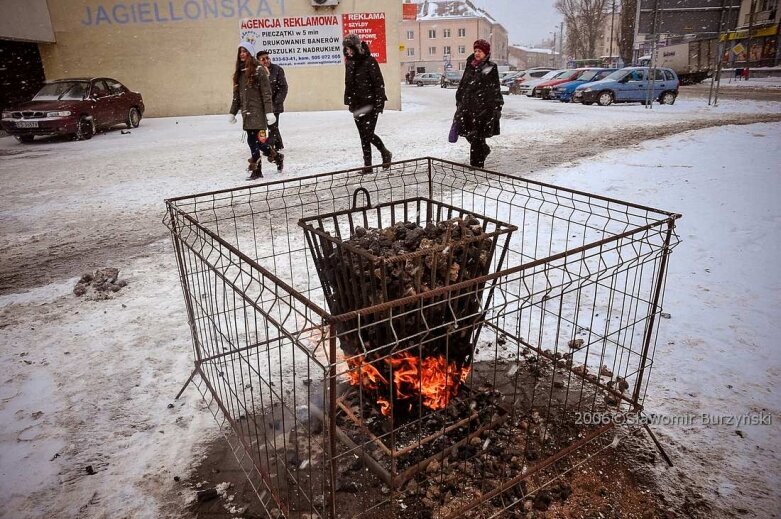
560, 324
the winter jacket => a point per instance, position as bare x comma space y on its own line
479, 100
363, 82
278, 87
254, 101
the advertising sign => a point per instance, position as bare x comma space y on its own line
296, 41
410, 11
314, 40
371, 28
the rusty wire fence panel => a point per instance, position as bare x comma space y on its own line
564, 326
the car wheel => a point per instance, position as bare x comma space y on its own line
133, 118
86, 128
26, 139
419, 83
605, 98
587, 103
667, 98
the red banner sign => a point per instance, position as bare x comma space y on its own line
410, 11
371, 29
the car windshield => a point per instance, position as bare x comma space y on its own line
618, 75
552, 74
563, 74
62, 90
587, 75
602, 74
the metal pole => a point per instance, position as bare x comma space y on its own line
636, 51
718, 79
561, 44
649, 102
719, 53
612, 25
748, 43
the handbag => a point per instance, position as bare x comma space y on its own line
454, 129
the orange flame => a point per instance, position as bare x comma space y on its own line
433, 378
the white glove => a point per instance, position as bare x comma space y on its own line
232, 119
271, 118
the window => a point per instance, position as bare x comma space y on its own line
432, 33
432, 50
114, 87
446, 33
410, 35
447, 50
658, 75
99, 89
462, 49
462, 33
669, 75
410, 51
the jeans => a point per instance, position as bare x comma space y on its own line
366, 125
255, 146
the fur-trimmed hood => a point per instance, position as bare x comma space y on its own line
353, 41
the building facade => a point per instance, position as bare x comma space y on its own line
522, 58
763, 24
441, 37
180, 54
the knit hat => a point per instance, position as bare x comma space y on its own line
483, 46
248, 47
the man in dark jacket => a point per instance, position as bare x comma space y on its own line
276, 75
364, 94
479, 102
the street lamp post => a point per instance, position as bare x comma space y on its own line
612, 25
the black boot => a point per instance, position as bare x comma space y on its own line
387, 157
255, 170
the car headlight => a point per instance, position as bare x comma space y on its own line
7, 115
586, 90
58, 114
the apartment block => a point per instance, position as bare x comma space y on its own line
441, 37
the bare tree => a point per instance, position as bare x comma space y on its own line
626, 37
585, 19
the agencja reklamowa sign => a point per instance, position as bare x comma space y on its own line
299, 41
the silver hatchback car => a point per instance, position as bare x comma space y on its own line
428, 78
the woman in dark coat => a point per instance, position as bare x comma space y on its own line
479, 102
364, 94
252, 94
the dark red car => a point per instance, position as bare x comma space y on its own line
544, 89
77, 107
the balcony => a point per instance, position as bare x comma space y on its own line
761, 17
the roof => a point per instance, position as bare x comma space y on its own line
444, 9
535, 50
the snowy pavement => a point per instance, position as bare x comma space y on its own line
88, 383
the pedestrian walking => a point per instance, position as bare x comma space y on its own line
252, 94
364, 94
479, 102
276, 76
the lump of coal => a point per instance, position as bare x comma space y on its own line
100, 284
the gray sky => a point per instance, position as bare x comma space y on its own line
527, 21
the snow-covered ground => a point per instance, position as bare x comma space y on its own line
88, 383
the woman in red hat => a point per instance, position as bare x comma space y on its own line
479, 102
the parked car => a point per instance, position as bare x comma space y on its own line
451, 78
526, 75
544, 90
528, 87
509, 79
564, 91
630, 84
428, 78
77, 107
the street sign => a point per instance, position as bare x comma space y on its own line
737, 49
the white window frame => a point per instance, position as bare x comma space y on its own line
410, 51
432, 34
462, 33
432, 51
446, 50
410, 35
446, 33
462, 49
